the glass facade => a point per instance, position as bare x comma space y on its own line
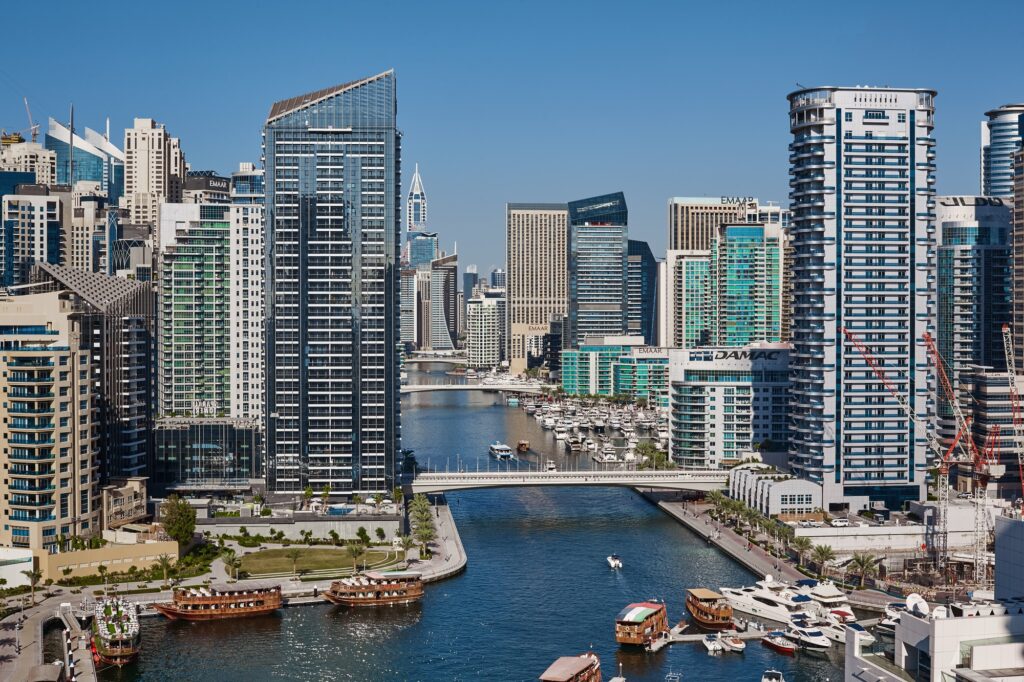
745, 285
642, 377
642, 291
248, 185
96, 159
204, 454
423, 249
332, 161
1000, 139
598, 237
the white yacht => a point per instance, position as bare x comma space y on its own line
712, 644
769, 599
825, 594
809, 638
501, 452
614, 561
549, 422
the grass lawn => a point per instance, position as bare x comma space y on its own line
312, 559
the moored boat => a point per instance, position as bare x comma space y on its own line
523, 446
500, 451
772, 676
221, 600
116, 636
583, 668
641, 623
776, 640
809, 638
730, 642
712, 644
376, 588
709, 609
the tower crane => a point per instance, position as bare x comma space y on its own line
32, 126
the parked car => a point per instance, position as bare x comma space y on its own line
840, 523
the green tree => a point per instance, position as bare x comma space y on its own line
335, 538
378, 500
307, 495
398, 494
408, 542
357, 500
164, 562
294, 555
363, 536
34, 577
802, 545
355, 551
863, 564
425, 534
233, 563
325, 493
179, 519
822, 555
380, 534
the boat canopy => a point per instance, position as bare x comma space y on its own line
801, 598
704, 594
807, 582
566, 668
638, 613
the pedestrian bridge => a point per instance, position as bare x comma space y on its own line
448, 359
440, 482
492, 388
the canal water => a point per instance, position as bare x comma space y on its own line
537, 585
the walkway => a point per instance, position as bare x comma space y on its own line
488, 388
438, 482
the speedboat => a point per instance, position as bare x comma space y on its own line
772, 676
501, 452
776, 640
730, 642
809, 638
614, 561
866, 636
712, 644
769, 599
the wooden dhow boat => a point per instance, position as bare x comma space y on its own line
221, 600
376, 588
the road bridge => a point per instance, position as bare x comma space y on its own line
491, 388
448, 359
439, 482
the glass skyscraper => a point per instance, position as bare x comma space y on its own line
96, 159
598, 236
332, 160
1001, 137
423, 249
642, 291
862, 178
745, 285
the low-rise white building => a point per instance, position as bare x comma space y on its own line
773, 493
962, 642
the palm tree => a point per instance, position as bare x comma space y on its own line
164, 562
822, 555
863, 564
408, 542
802, 546
378, 500
294, 555
233, 563
355, 551
357, 500
34, 577
425, 534
334, 537
326, 493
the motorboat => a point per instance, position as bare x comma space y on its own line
614, 561
894, 609
772, 676
501, 452
825, 593
549, 422
730, 642
866, 636
771, 600
712, 644
776, 640
887, 626
550, 466
809, 638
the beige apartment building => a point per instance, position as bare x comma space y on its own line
48, 439
536, 239
694, 221
30, 157
154, 170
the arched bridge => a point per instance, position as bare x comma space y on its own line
440, 482
492, 388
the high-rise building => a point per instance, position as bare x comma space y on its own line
206, 187
416, 208
30, 157
194, 347
154, 170
598, 237
694, 221
32, 232
537, 284
119, 312
96, 159
589, 369
1001, 137
1017, 246
685, 300
470, 277
50, 452
423, 249
863, 261
483, 336
248, 184
332, 159
499, 280
745, 284
973, 293
409, 309
93, 228
248, 306
641, 291
727, 403
444, 330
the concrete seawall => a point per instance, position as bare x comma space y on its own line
453, 558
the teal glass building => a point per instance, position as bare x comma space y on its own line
745, 285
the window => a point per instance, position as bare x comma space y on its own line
901, 118
848, 116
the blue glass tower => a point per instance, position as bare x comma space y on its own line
642, 285
332, 162
598, 237
1001, 137
422, 249
96, 159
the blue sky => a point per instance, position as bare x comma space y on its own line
523, 101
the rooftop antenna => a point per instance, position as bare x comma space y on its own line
802, 87
71, 150
108, 129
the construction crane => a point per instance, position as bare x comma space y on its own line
32, 126
1018, 419
983, 464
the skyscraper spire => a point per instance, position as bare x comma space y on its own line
416, 215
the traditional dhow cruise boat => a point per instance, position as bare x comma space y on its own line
709, 609
221, 600
115, 632
641, 623
375, 588
583, 668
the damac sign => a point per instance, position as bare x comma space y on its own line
971, 201
746, 355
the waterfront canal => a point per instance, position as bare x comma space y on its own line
537, 586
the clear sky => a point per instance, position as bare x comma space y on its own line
522, 101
